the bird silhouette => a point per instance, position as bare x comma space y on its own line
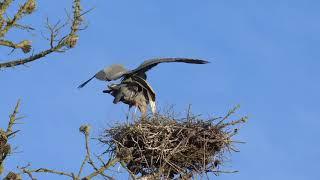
133, 88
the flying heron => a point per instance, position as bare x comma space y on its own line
133, 89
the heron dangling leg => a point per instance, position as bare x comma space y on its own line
128, 114
143, 110
135, 112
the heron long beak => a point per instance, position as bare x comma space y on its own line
107, 91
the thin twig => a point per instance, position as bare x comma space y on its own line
13, 119
29, 172
123, 164
111, 162
66, 42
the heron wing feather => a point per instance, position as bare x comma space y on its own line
152, 104
148, 64
112, 72
143, 83
85, 83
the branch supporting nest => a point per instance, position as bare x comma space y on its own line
5, 147
154, 147
97, 170
164, 147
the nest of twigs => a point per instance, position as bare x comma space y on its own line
4, 148
163, 147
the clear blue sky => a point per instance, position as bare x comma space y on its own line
264, 54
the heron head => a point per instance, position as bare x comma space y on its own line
112, 86
115, 86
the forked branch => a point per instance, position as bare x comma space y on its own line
56, 45
5, 135
85, 129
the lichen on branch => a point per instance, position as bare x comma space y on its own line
5, 135
62, 44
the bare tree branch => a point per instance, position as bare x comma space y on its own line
85, 129
66, 42
5, 148
23, 45
3, 7
13, 118
111, 162
29, 172
27, 8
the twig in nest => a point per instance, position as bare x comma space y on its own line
163, 146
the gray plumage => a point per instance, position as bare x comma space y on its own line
133, 89
134, 93
118, 71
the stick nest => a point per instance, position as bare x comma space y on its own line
164, 147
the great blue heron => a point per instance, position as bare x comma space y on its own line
133, 89
134, 92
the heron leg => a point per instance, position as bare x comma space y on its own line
128, 114
143, 111
134, 113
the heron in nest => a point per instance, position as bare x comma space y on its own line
134, 92
133, 88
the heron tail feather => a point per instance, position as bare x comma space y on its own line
152, 104
153, 107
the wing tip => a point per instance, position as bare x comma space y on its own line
198, 61
203, 61
85, 83
192, 60
80, 86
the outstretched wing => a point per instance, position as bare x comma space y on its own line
109, 73
112, 72
85, 83
148, 64
117, 71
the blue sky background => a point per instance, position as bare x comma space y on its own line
264, 54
